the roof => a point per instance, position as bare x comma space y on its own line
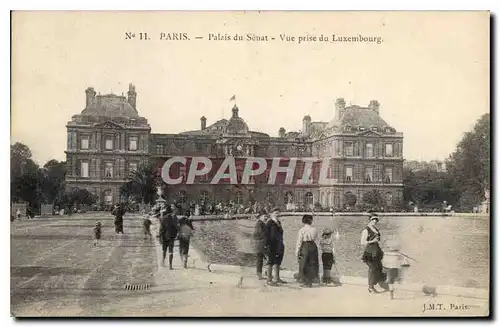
359, 116
110, 105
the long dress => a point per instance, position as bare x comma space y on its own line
372, 256
118, 213
308, 260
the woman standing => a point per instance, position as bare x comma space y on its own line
118, 212
307, 252
370, 237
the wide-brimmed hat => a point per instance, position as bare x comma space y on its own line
276, 209
373, 217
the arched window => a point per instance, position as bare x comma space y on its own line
204, 196
308, 199
350, 199
238, 198
388, 198
182, 197
108, 197
269, 197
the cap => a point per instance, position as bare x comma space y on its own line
276, 209
373, 217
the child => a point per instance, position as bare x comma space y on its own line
328, 258
392, 262
97, 233
146, 226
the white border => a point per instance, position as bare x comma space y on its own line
6, 6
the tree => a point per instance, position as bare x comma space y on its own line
469, 165
428, 188
25, 176
78, 197
141, 184
374, 199
54, 176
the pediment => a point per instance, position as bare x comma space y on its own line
370, 133
109, 125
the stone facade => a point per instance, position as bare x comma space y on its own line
105, 142
366, 153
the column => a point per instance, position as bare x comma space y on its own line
123, 146
93, 140
74, 136
98, 168
116, 168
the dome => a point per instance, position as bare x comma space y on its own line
236, 125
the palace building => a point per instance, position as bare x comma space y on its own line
109, 139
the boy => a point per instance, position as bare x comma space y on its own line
97, 233
328, 258
146, 226
392, 261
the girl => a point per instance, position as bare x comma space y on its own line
328, 257
97, 233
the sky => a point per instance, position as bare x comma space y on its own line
430, 73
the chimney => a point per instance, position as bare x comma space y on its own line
282, 132
339, 108
203, 123
374, 105
90, 96
306, 125
132, 96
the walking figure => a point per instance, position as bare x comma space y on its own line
97, 233
168, 233
185, 232
146, 226
392, 262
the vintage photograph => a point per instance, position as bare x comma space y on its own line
250, 164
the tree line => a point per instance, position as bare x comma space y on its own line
463, 184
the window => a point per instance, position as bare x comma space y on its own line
108, 197
308, 199
348, 174
238, 198
182, 197
159, 149
132, 143
132, 167
388, 175
369, 150
108, 170
84, 143
204, 196
349, 149
84, 171
388, 149
369, 174
109, 143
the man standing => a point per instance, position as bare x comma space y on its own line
168, 232
275, 248
259, 236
